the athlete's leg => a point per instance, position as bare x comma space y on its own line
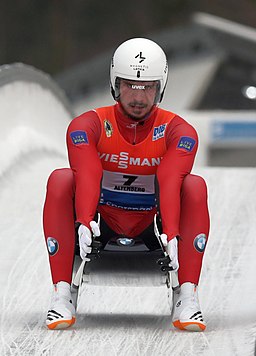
194, 228
59, 224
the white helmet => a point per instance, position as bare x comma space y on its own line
139, 59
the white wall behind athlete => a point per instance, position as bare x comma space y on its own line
33, 116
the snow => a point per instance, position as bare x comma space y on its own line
113, 320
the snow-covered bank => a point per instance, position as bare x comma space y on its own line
113, 320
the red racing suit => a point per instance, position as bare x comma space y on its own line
115, 161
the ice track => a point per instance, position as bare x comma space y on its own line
120, 320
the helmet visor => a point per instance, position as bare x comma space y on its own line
137, 97
137, 89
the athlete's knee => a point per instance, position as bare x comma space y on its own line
195, 186
61, 183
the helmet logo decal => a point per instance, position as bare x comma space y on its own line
166, 68
140, 57
139, 87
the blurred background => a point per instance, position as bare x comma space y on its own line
211, 48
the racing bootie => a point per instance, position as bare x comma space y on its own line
187, 314
61, 314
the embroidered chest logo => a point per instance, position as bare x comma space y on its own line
108, 128
158, 132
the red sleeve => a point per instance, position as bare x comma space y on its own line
182, 143
82, 136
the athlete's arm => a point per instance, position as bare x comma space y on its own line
182, 143
82, 136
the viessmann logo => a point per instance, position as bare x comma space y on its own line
123, 160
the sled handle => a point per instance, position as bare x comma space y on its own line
174, 275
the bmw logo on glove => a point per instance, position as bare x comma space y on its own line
52, 245
200, 242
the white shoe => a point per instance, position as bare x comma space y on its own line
62, 312
187, 314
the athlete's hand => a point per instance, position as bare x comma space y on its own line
85, 239
171, 248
